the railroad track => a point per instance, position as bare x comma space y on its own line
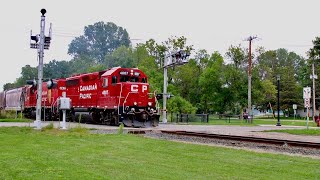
247, 139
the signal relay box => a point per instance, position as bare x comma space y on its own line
64, 103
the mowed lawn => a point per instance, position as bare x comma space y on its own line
16, 120
56, 154
257, 122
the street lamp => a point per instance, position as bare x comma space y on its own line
278, 79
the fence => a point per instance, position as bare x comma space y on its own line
186, 118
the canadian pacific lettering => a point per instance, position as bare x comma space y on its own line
135, 88
85, 96
88, 87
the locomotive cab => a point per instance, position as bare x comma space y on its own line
128, 92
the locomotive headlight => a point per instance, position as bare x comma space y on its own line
149, 103
135, 103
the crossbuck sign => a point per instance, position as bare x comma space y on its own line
307, 96
307, 93
306, 103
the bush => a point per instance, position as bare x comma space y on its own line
11, 114
120, 130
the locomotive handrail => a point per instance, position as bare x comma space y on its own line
119, 99
53, 104
156, 100
126, 100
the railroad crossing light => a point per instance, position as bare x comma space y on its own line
35, 38
51, 84
47, 40
170, 96
180, 57
181, 54
32, 82
159, 96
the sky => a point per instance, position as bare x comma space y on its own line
213, 25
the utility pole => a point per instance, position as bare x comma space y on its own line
165, 85
44, 43
313, 92
278, 80
249, 77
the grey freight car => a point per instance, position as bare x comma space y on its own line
14, 98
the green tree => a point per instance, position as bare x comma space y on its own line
186, 81
215, 95
237, 56
27, 73
236, 80
148, 64
8, 86
180, 105
122, 56
81, 64
99, 40
294, 74
314, 58
289, 94
57, 69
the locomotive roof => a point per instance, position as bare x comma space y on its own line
101, 73
113, 70
110, 71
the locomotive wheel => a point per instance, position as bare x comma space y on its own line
115, 120
128, 121
95, 117
154, 121
138, 124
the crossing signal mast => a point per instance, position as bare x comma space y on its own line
173, 59
40, 42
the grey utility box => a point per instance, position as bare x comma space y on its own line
64, 103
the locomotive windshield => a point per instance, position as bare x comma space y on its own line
129, 79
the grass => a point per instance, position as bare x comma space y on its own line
257, 122
56, 154
15, 120
312, 132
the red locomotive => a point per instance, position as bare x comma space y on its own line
107, 97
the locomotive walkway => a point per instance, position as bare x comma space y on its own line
250, 131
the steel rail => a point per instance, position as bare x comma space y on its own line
247, 139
